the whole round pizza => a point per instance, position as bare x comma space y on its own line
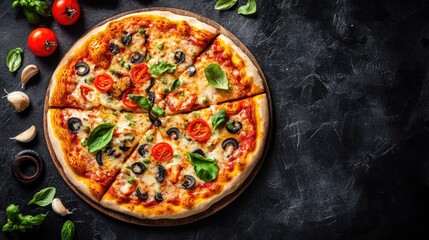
156, 115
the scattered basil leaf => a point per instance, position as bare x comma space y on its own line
205, 168
32, 17
158, 111
41, 8
32, 9
218, 119
14, 59
18, 222
43, 197
175, 84
100, 137
160, 68
225, 4
216, 76
68, 230
141, 101
248, 9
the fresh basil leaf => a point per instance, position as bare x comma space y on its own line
218, 119
32, 17
100, 137
205, 168
160, 68
41, 8
68, 230
43, 197
216, 76
248, 9
141, 101
175, 84
18, 222
225, 4
14, 60
158, 111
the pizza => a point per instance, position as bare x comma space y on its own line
156, 115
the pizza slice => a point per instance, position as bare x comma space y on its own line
222, 73
92, 145
191, 161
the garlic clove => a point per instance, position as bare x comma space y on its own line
28, 72
59, 208
26, 136
19, 100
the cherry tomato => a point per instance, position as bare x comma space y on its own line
103, 82
199, 130
139, 74
127, 101
162, 152
66, 12
42, 42
181, 100
84, 90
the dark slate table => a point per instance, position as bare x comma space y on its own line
350, 152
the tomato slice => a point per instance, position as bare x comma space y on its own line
199, 130
139, 74
162, 152
127, 101
103, 82
181, 100
84, 90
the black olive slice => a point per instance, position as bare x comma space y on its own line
126, 39
110, 150
155, 121
192, 70
199, 152
231, 141
99, 158
142, 150
138, 168
179, 56
136, 57
161, 173
190, 182
233, 126
124, 148
142, 196
158, 197
74, 124
82, 68
174, 131
151, 96
150, 86
114, 49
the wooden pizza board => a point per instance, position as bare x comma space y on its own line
216, 206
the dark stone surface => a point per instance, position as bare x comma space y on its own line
349, 159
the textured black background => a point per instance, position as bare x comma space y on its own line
349, 158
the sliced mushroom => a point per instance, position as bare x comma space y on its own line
136, 57
74, 124
179, 56
229, 141
161, 173
142, 150
142, 196
99, 158
189, 183
82, 68
173, 133
138, 167
233, 126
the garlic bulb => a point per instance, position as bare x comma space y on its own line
28, 72
59, 208
19, 100
26, 136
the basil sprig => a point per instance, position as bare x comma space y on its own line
67, 231
218, 119
248, 9
145, 103
18, 222
216, 77
161, 67
225, 4
205, 168
32, 9
100, 137
43, 197
14, 59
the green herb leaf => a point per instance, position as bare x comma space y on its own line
18, 222
158, 111
248, 9
14, 60
225, 4
41, 8
43, 197
216, 76
100, 137
205, 168
141, 101
67, 232
175, 84
218, 119
160, 68
130, 179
